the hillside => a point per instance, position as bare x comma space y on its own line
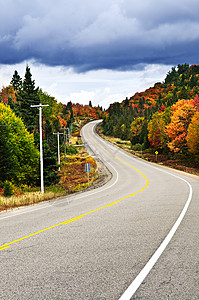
20, 139
163, 118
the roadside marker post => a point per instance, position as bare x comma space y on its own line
156, 154
87, 169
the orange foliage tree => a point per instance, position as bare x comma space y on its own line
182, 113
7, 93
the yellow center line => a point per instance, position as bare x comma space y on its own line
147, 182
3, 248
7, 245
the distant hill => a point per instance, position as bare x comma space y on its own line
162, 116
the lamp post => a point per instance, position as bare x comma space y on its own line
64, 142
41, 148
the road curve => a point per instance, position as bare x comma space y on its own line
134, 238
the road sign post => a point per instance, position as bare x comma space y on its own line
87, 169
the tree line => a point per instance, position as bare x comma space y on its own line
19, 130
165, 117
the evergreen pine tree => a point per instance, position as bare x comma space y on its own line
193, 81
126, 102
7, 191
70, 108
16, 81
50, 165
26, 97
51, 176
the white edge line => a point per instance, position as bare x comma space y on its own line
149, 265
130, 291
152, 261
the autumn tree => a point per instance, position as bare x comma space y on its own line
124, 132
156, 129
182, 113
136, 131
8, 96
193, 134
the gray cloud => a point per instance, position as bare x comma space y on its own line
113, 34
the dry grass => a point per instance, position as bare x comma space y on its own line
74, 177
26, 199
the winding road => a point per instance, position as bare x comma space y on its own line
136, 237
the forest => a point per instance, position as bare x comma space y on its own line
163, 118
19, 131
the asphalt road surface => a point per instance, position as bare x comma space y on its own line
136, 237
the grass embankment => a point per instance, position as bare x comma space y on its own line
73, 175
175, 162
26, 198
73, 179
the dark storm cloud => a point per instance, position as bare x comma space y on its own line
113, 34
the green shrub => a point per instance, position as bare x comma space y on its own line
71, 150
137, 147
7, 190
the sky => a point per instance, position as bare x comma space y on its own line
103, 51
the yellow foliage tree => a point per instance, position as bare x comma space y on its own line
193, 134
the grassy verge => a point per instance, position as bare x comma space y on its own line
174, 162
73, 175
26, 199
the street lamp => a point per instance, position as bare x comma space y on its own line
58, 151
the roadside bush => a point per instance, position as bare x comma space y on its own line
8, 189
71, 150
137, 147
